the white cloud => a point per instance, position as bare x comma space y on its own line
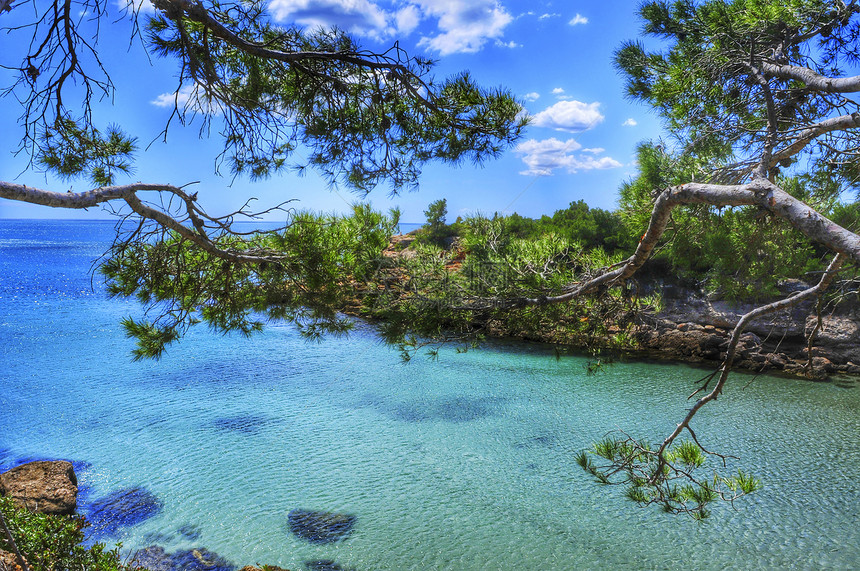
569, 116
548, 16
578, 19
360, 17
557, 91
462, 25
533, 96
631, 122
407, 19
511, 45
190, 98
465, 25
594, 150
544, 157
144, 6
168, 99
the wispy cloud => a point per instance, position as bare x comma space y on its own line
533, 96
578, 19
465, 25
544, 157
569, 116
460, 25
511, 45
190, 99
630, 122
360, 17
144, 6
560, 95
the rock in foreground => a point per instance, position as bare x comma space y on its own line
49, 487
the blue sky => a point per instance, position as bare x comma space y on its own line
555, 56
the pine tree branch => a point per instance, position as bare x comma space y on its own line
745, 320
811, 79
760, 193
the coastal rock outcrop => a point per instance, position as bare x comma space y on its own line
695, 327
49, 487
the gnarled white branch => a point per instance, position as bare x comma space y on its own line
812, 79
760, 192
128, 194
811, 132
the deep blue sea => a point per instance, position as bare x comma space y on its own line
465, 463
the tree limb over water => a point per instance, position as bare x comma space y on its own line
754, 94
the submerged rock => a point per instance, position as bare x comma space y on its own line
320, 527
450, 409
245, 424
189, 531
49, 487
323, 565
155, 558
123, 508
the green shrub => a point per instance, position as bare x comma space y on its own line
54, 543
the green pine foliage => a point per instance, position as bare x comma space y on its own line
364, 118
673, 479
317, 266
71, 149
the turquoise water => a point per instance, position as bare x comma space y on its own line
466, 463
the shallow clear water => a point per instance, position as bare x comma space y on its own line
460, 464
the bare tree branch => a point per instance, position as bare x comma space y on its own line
745, 320
128, 193
810, 132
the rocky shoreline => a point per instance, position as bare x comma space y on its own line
51, 487
694, 327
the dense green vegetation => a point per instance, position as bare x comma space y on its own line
472, 286
740, 253
54, 543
